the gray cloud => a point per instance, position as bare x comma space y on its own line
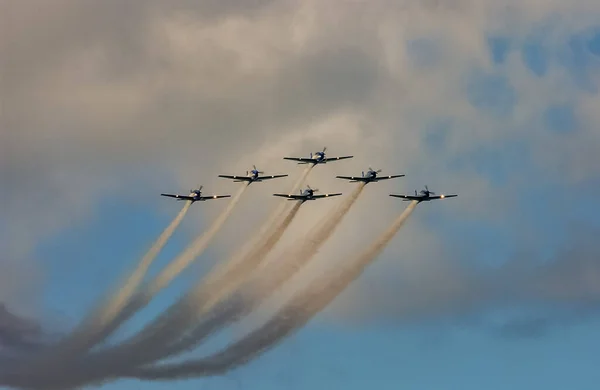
566, 287
529, 328
536, 326
18, 333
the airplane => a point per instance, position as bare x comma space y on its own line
195, 196
307, 194
252, 176
425, 196
370, 176
316, 158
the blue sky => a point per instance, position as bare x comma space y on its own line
526, 197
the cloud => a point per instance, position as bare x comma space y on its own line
18, 333
534, 325
106, 100
441, 287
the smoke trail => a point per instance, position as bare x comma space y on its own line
118, 362
221, 282
175, 267
271, 221
198, 246
271, 231
291, 317
254, 293
213, 291
269, 234
302, 178
256, 254
235, 276
216, 287
298, 256
89, 332
48, 373
157, 282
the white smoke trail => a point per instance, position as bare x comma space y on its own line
272, 220
134, 306
217, 286
254, 293
136, 278
177, 266
270, 230
90, 330
196, 249
50, 375
183, 261
291, 317
269, 234
116, 304
120, 362
256, 255
206, 295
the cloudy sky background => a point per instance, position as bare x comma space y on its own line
105, 104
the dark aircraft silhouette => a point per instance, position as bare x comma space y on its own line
195, 196
370, 176
307, 194
316, 158
425, 196
252, 176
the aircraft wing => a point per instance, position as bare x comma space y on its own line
442, 196
325, 196
301, 160
213, 197
407, 197
379, 178
291, 196
270, 177
178, 197
353, 178
242, 178
367, 179
336, 158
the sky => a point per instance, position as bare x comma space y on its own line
106, 104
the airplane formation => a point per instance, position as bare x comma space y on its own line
163, 343
254, 176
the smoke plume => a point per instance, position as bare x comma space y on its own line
94, 329
307, 303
